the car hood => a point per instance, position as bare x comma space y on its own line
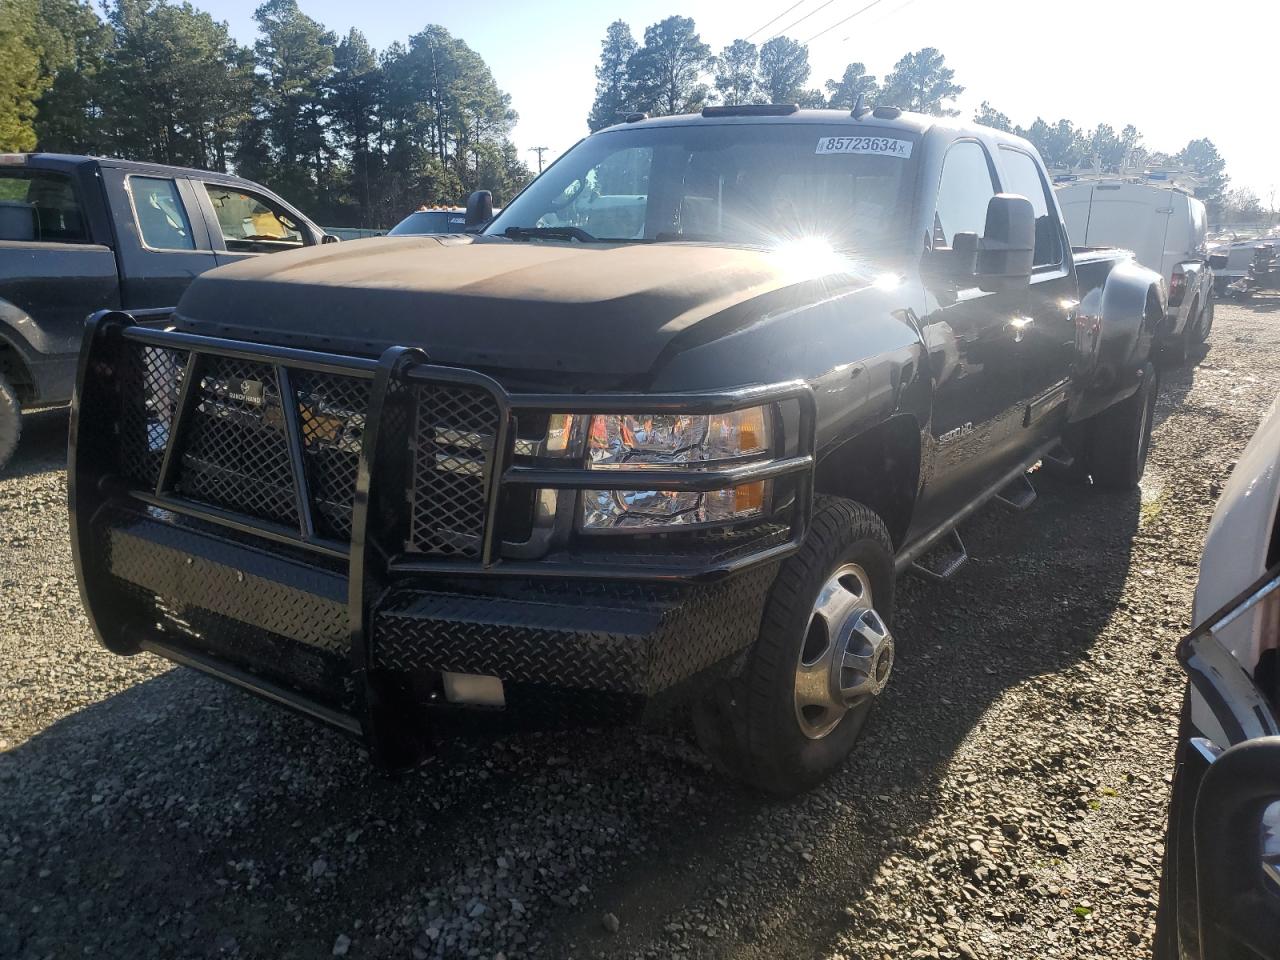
600, 310
1238, 543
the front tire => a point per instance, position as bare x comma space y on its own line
823, 654
10, 420
1120, 437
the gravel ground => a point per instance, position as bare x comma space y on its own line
1007, 799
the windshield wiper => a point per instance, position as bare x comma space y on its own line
550, 233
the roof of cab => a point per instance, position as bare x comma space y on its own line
68, 161
905, 121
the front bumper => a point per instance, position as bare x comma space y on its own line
362, 634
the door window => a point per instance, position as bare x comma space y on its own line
253, 224
964, 193
38, 206
162, 219
1023, 177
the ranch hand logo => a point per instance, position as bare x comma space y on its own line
246, 391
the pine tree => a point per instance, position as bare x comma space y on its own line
611, 102
844, 93
295, 58
1202, 158
353, 101
74, 46
923, 82
665, 74
20, 81
737, 73
784, 68
173, 87
989, 116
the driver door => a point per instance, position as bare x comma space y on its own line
973, 351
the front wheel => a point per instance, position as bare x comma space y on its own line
823, 654
1119, 437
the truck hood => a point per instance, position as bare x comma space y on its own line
608, 310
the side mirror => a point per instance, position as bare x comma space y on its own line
329, 238
479, 209
1007, 248
1236, 875
1218, 261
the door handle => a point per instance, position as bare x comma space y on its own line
1018, 326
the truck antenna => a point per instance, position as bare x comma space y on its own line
859, 108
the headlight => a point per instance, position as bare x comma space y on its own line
681, 442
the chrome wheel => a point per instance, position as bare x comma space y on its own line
846, 656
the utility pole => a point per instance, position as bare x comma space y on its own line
539, 151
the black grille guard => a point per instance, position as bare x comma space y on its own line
375, 557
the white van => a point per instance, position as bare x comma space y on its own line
1165, 229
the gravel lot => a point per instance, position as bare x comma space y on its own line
1007, 801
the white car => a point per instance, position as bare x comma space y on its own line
1165, 228
1220, 893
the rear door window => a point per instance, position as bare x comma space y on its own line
162, 219
40, 206
1022, 176
253, 224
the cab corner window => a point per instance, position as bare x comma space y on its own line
1022, 176
162, 220
964, 192
38, 206
252, 224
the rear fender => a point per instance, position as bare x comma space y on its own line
1119, 319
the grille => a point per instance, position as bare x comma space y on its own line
232, 448
150, 378
454, 439
331, 412
236, 455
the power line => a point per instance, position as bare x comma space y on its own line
774, 20
884, 14
539, 151
821, 6
844, 21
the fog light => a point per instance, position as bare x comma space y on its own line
474, 688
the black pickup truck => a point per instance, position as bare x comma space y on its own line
80, 234
663, 434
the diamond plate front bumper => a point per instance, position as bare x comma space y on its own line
359, 634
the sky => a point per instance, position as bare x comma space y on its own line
1163, 67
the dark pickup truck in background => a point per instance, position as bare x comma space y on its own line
80, 234
664, 433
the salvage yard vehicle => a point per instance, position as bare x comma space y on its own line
80, 234
437, 220
1220, 889
1165, 228
1246, 266
663, 434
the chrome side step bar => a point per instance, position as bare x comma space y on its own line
943, 559
1017, 495
906, 559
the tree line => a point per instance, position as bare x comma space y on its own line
353, 135
674, 71
358, 136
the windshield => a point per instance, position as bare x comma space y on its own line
430, 221
755, 184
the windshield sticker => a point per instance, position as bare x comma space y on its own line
885, 146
